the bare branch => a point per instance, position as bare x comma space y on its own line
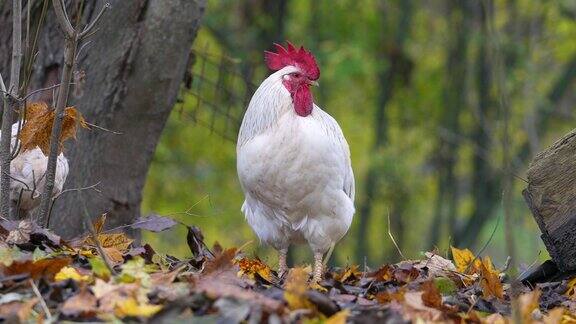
10, 104
91, 26
62, 18
16, 46
2, 85
44, 89
71, 44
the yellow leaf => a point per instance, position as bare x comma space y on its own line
70, 273
571, 291
130, 307
465, 261
338, 318
253, 267
296, 286
490, 282
528, 303
351, 273
99, 224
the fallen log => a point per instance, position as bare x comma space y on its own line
551, 196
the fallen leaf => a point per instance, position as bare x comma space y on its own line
36, 269
338, 318
430, 295
490, 280
385, 297
349, 274
21, 234
465, 260
255, 267
81, 305
99, 268
571, 290
99, 223
384, 273
221, 261
195, 240
528, 303
154, 223
17, 312
295, 289
130, 307
70, 273
554, 316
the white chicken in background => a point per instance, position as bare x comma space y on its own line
293, 162
28, 177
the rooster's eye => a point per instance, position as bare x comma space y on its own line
296, 74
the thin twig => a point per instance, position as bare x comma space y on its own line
42, 301
93, 187
94, 22
43, 89
79, 189
104, 129
392, 238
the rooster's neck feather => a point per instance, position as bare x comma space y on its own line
270, 101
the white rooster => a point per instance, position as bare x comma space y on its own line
293, 162
28, 177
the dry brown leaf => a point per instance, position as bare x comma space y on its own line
385, 297
349, 274
431, 297
528, 303
415, 307
17, 312
99, 224
253, 267
554, 316
490, 282
37, 128
42, 268
81, 305
338, 318
221, 261
225, 283
384, 273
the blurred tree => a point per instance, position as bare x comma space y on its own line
396, 72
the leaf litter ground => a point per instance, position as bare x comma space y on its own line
104, 277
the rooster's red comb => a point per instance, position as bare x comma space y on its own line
299, 58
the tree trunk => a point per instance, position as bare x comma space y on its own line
551, 196
133, 69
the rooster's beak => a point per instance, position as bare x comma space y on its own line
313, 82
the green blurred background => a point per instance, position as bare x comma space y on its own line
420, 89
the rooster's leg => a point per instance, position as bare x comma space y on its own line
318, 267
282, 267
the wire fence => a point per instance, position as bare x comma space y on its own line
217, 92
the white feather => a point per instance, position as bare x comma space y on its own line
28, 172
295, 171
